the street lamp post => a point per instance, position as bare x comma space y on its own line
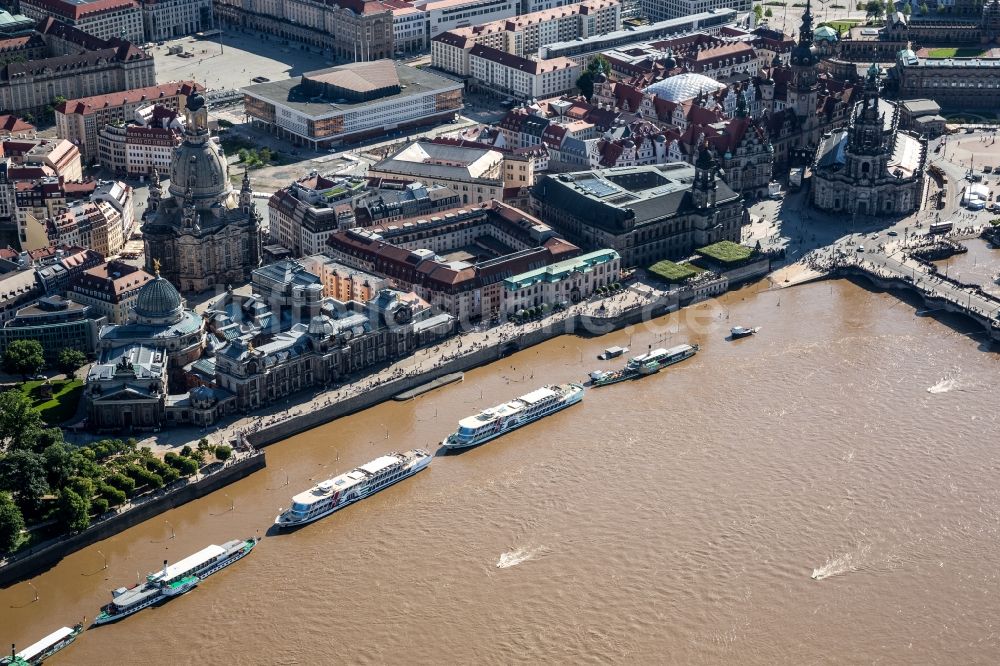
172, 535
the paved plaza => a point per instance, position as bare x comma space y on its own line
236, 61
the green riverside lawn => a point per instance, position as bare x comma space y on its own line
66, 394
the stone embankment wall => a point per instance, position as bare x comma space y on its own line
48, 555
577, 324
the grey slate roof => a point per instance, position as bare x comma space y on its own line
602, 199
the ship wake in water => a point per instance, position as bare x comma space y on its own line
846, 563
515, 557
943, 386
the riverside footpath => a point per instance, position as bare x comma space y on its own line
479, 345
472, 349
638, 302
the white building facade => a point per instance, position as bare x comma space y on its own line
409, 29
444, 15
105, 19
520, 78
169, 19
568, 281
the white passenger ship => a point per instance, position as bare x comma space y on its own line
491, 423
205, 562
174, 579
45, 648
336, 493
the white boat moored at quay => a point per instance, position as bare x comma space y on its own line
334, 494
38, 652
495, 421
174, 580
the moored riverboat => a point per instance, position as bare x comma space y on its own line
174, 579
43, 649
645, 364
495, 421
343, 490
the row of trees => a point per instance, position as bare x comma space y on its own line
253, 158
43, 478
26, 358
878, 9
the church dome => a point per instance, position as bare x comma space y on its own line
195, 101
825, 33
158, 300
202, 165
198, 163
202, 397
683, 87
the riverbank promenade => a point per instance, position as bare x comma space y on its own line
427, 364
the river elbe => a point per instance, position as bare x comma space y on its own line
825, 492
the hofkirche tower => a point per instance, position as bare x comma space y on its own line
202, 232
803, 88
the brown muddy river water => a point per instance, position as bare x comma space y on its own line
824, 492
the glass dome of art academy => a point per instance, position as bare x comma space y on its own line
683, 87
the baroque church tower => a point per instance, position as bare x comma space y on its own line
203, 234
869, 146
803, 88
703, 190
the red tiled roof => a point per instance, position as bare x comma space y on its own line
11, 43
77, 11
113, 279
86, 105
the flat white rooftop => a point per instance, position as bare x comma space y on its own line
379, 464
538, 395
36, 649
191, 561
